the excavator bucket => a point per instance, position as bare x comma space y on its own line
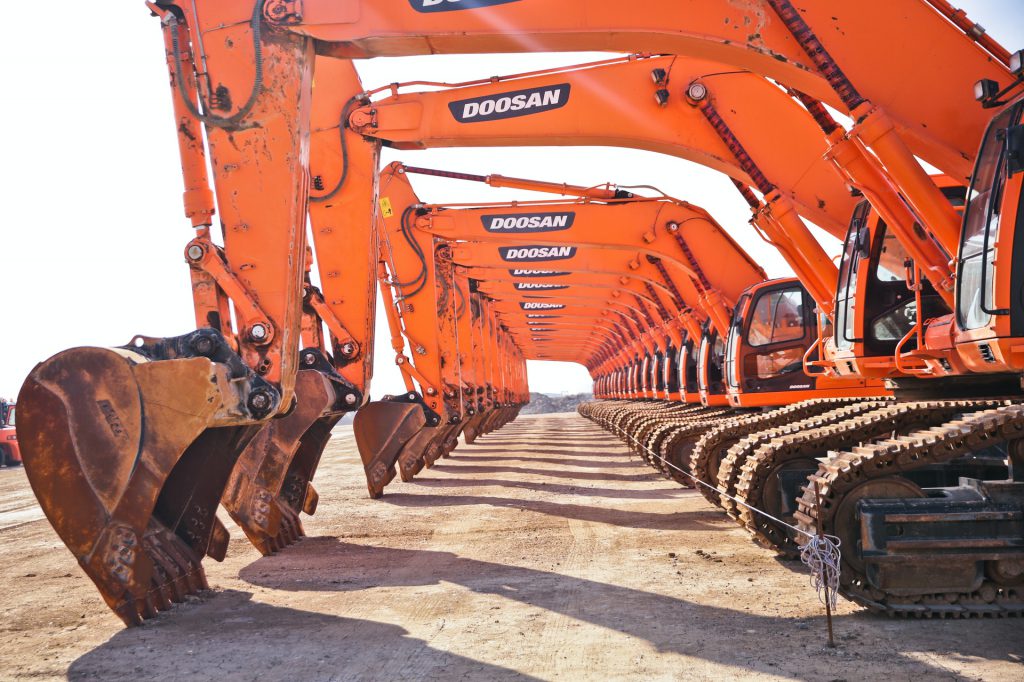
128, 451
472, 429
270, 484
443, 442
382, 429
423, 449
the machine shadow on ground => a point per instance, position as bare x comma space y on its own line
669, 624
261, 641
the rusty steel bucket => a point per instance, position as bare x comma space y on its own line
383, 430
271, 483
128, 451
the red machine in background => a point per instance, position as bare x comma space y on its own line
10, 454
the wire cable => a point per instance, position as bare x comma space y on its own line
820, 553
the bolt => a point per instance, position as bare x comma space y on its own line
421, 350
431, 391
195, 252
203, 345
309, 358
348, 349
350, 399
258, 332
259, 402
697, 91
412, 396
672, 227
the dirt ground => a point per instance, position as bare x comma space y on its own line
541, 552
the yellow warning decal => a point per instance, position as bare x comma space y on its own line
385, 207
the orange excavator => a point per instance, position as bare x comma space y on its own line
437, 316
130, 449
674, 237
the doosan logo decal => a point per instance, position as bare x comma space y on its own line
540, 317
539, 305
528, 222
525, 286
536, 273
428, 6
536, 253
510, 104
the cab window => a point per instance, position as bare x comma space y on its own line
976, 274
778, 316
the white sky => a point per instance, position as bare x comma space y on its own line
93, 228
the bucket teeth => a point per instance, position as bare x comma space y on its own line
128, 451
384, 431
269, 485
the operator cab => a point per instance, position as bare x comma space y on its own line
643, 387
773, 325
710, 368
989, 300
686, 366
657, 380
670, 373
875, 304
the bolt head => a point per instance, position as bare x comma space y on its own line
258, 332
259, 401
194, 252
350, 399
672, 227
697, 91
202, 345
309, 358
348, 349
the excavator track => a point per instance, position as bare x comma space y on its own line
714, 444
654, 439
732, 462
650, 438
844, 476
757, 484
641, 425
644, 429
677, 445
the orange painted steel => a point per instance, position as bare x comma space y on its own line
615, 105
927, 104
